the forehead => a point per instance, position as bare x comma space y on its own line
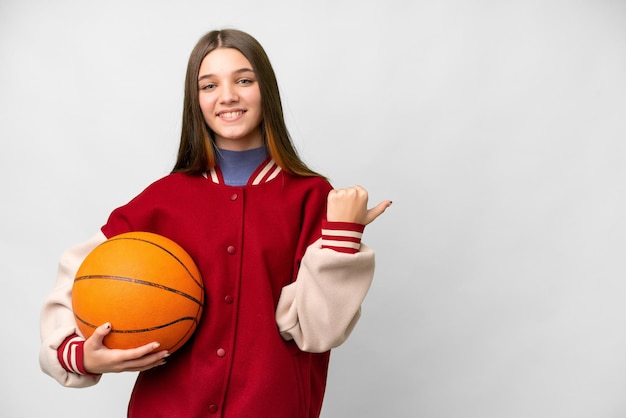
223, 61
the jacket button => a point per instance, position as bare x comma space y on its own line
213, 408
234, 196
230, 249
228, 299
221, 352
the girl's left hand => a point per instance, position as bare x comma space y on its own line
350, 205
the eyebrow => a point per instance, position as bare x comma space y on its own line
239, 71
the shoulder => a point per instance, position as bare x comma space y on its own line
177, 179
143, 212
310, 182
173, 183
305, 189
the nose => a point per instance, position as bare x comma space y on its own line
228, 94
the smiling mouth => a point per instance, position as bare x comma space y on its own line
231, 114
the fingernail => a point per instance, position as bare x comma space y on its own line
166, 355
107, 325
155, 345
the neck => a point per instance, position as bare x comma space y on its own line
252, 140
237, 166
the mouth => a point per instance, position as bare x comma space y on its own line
230, 114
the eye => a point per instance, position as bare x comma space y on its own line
207, 86
245, 81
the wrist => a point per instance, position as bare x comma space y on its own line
343, 237
71, 355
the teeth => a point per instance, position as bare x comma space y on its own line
231, 114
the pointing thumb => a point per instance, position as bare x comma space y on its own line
376, 211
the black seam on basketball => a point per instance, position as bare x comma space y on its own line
137, 331
185, 337
140, 282
161, 247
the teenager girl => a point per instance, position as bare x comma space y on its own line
279, 250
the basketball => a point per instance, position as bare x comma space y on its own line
145, 285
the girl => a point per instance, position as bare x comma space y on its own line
279, 251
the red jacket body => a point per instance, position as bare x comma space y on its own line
248, 242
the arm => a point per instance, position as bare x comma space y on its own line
320, 309
65, 354
58, 326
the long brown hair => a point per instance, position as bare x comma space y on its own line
196, 152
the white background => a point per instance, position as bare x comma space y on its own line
496, 127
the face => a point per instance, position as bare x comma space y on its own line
230, 100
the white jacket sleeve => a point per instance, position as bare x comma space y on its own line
322, 306
57, 321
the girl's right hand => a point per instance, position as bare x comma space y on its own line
98, 358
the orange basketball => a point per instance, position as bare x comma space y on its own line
145, 285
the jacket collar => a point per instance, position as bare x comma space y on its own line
266, 172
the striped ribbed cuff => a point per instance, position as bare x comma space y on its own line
70, 355
343, 237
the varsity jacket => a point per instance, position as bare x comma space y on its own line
282, 288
